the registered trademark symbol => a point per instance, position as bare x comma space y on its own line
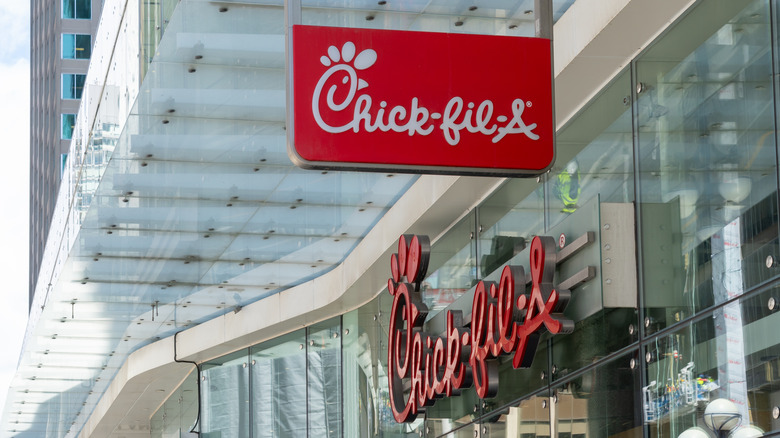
528, 104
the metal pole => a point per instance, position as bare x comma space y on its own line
543, 24
543, 11
292, 16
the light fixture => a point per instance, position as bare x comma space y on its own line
747, 431
694, 432
722, 416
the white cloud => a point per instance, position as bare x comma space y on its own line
14, 182
14, 210
15, 25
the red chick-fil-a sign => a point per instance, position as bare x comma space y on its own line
505, 320
420, 101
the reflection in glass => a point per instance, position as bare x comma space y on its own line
279, 387
366, 397
526, 419
707, 154
324, 379
595, 155
490, 17
225, 396
178, 415
602, 402
452, 269
732, 354
509, 219
68, 122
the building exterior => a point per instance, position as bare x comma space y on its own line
198, 284
60, 50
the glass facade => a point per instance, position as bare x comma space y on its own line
76, 46
679, 154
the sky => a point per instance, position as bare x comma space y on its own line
14, 182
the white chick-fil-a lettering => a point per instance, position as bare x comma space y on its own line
414, 119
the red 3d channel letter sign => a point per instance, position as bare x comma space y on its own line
420, 102
505, 320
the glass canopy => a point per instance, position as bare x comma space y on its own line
179, 202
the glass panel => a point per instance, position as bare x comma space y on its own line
68, 46
83, 46
68, 86
509, 219
225, 397
594, 154
72, 86
760, 318
452, 269
520, 383
367, 409
155, 16
732, 354
63, 163
68, 8
707, 160
599, 141
68, 123
84, 9
177, 416
600, 403
279, 387
527, 419
360, 343
453, 413
78, 85
489, 17
324, 377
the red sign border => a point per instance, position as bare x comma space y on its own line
301, 162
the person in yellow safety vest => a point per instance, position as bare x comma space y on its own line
567, 187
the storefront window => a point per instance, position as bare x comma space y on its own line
324, 379
279, 387
594, 155
707, 156
731, 354
601, 402
177, 416
225, 397
366, 396
453, 269
509, 219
